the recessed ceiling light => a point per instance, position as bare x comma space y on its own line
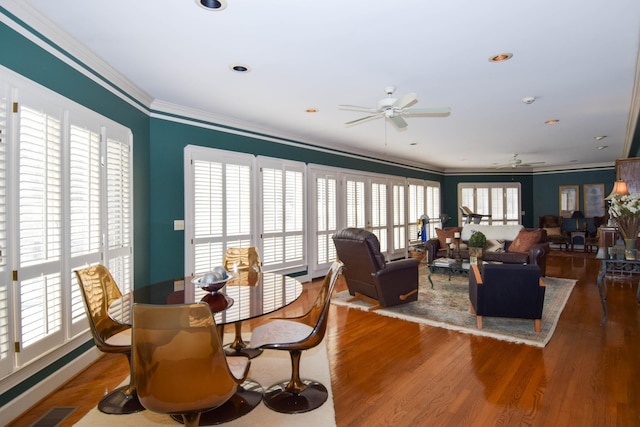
240, 68
501, 57
213, 5
311, 110
529, 100
599, 137
551, 122
602, 147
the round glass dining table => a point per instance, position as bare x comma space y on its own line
247, 295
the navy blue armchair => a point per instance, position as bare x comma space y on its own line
506, 290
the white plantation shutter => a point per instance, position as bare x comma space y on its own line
119, 211
5, 273
355, 202
283, 213
39, 229
416, 207
218, 190
433, 208
326, 218
84, 191
378, 224
399, 217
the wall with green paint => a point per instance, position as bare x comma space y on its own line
546, 189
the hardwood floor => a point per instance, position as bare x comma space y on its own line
389, 372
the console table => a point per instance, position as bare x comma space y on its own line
614, 267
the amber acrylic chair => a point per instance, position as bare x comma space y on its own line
295, 335
245, 264
179, 366
98, 291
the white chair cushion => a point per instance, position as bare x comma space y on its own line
279, 331
122, 338
237, 365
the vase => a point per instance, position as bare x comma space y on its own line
475, 255
630, 252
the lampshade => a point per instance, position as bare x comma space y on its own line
577, 215
619, 189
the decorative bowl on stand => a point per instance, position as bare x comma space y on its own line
211, 286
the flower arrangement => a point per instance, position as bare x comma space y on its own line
625, 210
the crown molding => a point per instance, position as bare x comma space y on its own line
42, 31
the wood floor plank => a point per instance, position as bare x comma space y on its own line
390, 372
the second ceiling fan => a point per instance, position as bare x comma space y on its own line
395, 108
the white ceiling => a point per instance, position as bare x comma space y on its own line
578, 58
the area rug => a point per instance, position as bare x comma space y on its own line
268, 368
447, 306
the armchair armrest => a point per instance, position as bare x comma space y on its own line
432, 246
394, 266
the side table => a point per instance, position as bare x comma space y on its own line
614, 267
582, 235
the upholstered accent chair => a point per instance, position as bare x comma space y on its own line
99, 290
369, 277
555, 233
295, 335
507, 290
179, 366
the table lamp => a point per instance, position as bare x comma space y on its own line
577, 215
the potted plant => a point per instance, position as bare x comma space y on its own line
477, 242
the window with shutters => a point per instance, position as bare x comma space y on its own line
378, 222
283, 213
61, 197
326, 216
500, 202
219, 194
424, 199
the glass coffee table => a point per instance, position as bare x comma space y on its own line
455, 268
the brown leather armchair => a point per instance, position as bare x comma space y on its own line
369, 276
555, 234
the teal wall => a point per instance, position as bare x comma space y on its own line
546, 189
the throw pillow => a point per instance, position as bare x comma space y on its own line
495, 245
553, 231
443, 234
524, 240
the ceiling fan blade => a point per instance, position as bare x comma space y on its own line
399, 121
357, 108
433, 112
532, 164
406, 101
362, 119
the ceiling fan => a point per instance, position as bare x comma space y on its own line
395, 108
516, 162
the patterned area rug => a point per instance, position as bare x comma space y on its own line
447, 306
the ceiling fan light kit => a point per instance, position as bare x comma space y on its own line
395, 108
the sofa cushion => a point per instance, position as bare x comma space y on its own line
495, 245
525, 240
553, 231
444, 234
